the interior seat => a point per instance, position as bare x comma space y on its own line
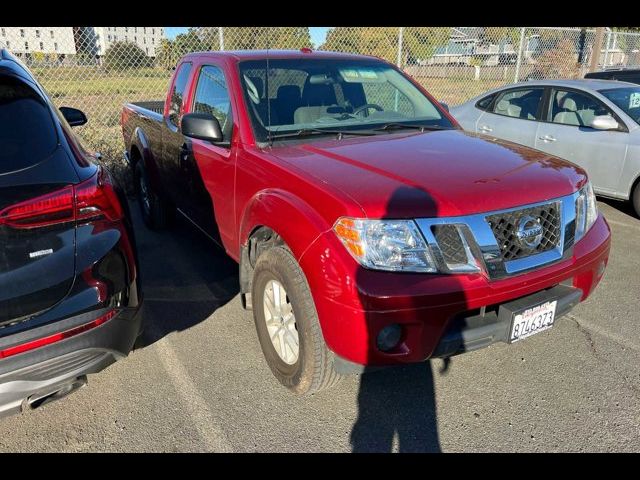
288, 99
568, 114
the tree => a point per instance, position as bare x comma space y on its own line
125, 55
249, 38
561, 62
418, 43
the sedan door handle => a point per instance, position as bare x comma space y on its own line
485, 128
548, 138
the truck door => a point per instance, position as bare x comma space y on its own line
209, 169
172, 138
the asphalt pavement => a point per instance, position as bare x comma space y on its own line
201, 384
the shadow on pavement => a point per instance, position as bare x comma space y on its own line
621, 206
400, 400
185, 277
397, 402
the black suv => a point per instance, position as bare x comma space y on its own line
69, 283
631, 75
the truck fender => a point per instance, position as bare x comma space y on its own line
140, 141
293, 220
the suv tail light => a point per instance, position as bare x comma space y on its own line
90, 200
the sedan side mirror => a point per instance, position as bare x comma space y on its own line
73, 116
202, 126
445, 106
604, 122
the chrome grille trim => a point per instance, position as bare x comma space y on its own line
484, 246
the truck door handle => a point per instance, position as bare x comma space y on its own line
485, 128
548, 138
185, 152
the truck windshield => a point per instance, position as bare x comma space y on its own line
628, 99
332, 94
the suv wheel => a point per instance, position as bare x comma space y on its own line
287, 324
155, 212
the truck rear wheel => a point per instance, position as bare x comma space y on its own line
155, 212
287, 325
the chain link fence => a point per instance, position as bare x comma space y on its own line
97, 69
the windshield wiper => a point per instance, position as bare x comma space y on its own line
304, 132
398, 126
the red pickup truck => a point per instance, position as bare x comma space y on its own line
370, 229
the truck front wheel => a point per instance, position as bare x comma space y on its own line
287, 324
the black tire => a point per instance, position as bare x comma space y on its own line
313, 370
635, 199
155, 212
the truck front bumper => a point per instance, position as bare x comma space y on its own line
439, 315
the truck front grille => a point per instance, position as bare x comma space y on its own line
450, 243
507, 225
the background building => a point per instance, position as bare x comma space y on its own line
96, 40
29, 40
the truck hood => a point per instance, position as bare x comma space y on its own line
435, 173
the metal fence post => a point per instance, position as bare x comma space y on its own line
399, 60
516, 77
221, 38
606, 51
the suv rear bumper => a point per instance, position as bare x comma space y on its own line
52, 371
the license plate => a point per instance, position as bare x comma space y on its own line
532, 320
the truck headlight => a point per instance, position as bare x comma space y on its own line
391, 245
586, 211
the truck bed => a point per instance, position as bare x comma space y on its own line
156, 106
146, 118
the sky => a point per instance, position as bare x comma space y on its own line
318, 34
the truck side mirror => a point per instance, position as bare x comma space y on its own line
73, 116
202, 126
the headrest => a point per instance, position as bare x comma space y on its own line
568, 103
289, 92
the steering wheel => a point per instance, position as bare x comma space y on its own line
366, 107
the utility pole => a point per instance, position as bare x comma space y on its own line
595, 51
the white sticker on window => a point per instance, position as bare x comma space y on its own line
634, 100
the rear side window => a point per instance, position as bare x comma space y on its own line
485, 103
519, 103
27, 132
177, 94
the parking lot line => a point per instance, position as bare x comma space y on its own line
197, 408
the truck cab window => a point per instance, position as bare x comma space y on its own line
212, 97
177, 93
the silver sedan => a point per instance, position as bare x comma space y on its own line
592, 123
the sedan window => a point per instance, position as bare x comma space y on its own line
519, 103
575, 108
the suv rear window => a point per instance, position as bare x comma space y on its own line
27, 132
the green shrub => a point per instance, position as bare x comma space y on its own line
125, 56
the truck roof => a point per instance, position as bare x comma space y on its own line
240, 55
